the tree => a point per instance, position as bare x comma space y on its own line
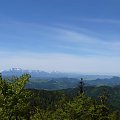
14, 99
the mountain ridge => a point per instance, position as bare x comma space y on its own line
55, 74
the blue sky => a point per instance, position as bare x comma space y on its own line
61, 35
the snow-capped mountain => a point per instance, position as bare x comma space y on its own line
19, 71
43, 74
38, 73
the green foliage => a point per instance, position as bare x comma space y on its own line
80, 107
17, 103
14, 99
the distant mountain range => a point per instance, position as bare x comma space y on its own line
106, 81
43, 74
58, 80
19, 72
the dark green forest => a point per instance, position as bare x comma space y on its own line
80, 103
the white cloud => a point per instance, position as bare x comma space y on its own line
88, 43
100, 20
29, 34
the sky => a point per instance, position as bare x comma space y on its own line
81, 36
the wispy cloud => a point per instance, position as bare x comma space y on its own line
86, 42
60, 48
35, 37
100, 20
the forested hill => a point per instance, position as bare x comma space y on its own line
93, 92
81, 103
65, 83
113, 81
